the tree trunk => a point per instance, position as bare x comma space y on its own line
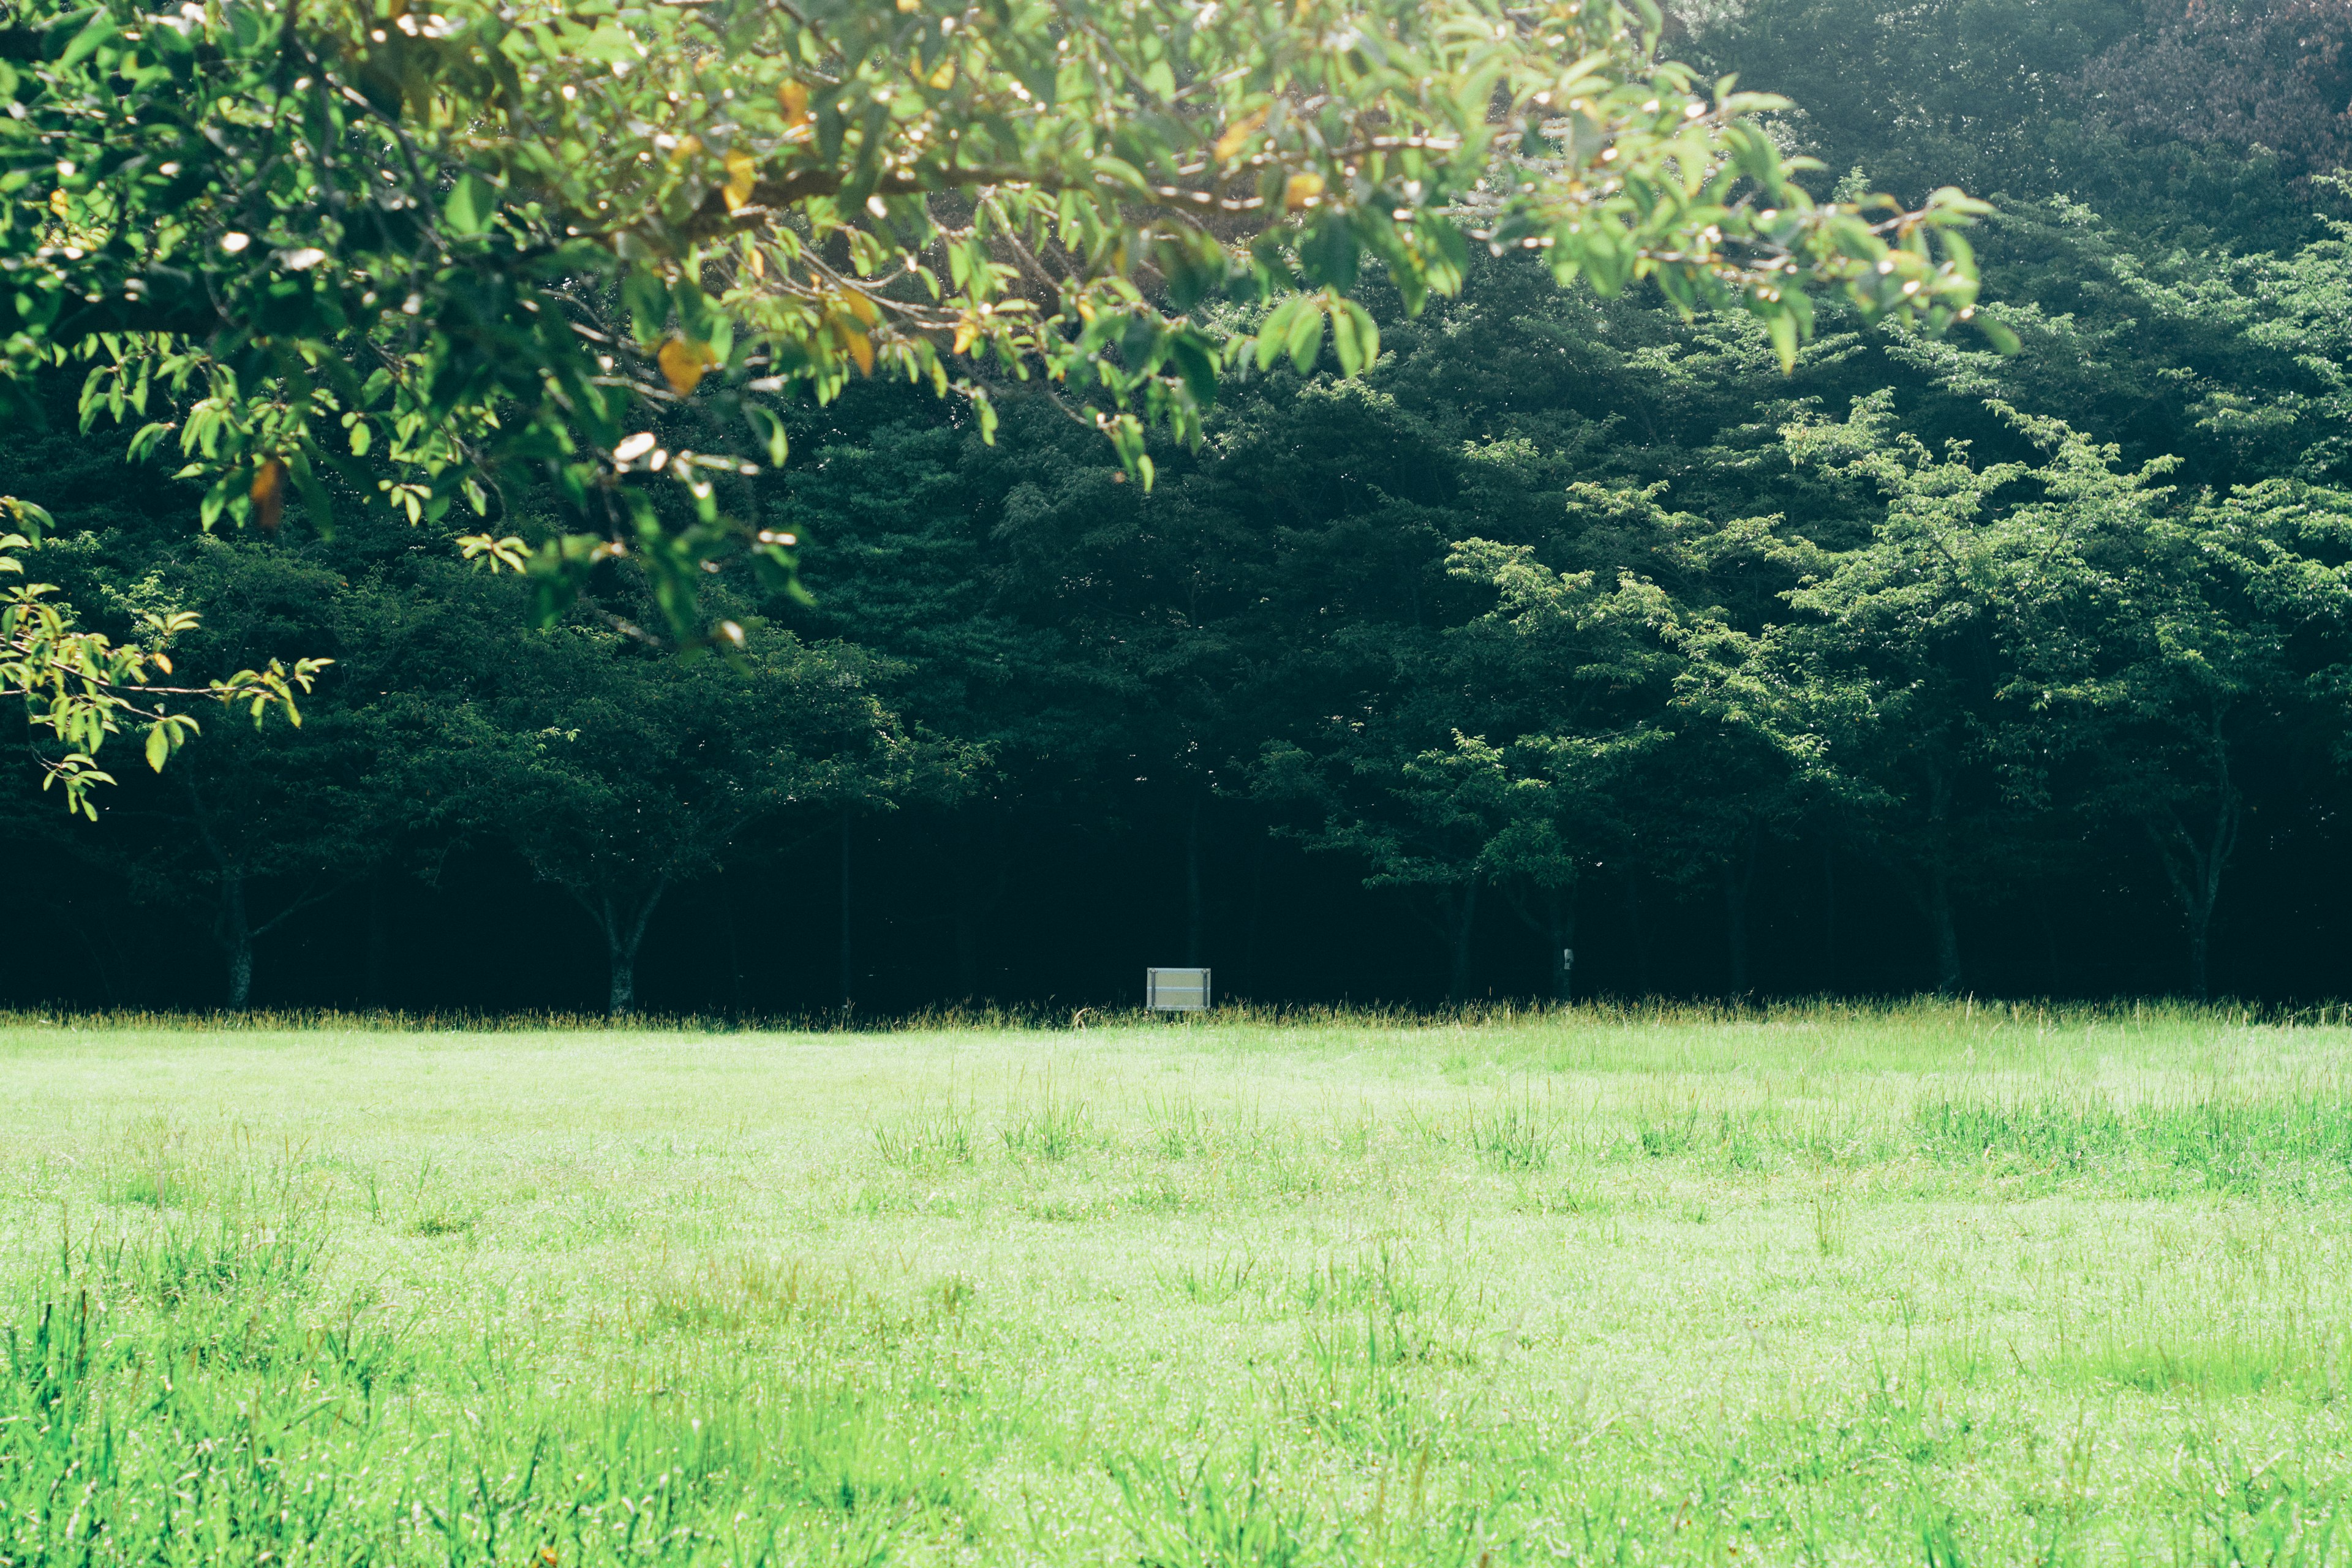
620, 965
624, 933
734, 966
1634, 933
1933, 894
984, 882
1466, 918
1254, 957
1828, 919
2195, 866
1560, 902
1736, 879
849, 985
235, 931
379, 941
1944, 932
2199, 931
2206, 891
1193, 883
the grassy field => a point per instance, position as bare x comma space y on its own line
1933, 1285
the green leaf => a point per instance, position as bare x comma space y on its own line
647, 301
149, 437
1306, 334
1275, 329
158, 747
770, 430
1356, 337
1784, 340
94, 32
470, 205
34, 520
1199, 371
1343, 342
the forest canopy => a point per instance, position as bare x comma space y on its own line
1550, 501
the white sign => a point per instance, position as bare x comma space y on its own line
1176, 990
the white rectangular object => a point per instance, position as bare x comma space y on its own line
1176, 990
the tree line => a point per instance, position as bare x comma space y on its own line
1577, 643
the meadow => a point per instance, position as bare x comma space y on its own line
1935, 1284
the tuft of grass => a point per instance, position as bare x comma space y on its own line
1049, 1123
1832, 1221
1213, 1282
1514, 1135
233, 1257
933, 1140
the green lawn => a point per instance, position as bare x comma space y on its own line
1938, 1285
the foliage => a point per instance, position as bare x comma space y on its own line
80, 685
1893, 660
412, 260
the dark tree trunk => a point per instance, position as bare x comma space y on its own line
379, 941
734, 966
1737, 876
983, 878
2200, 936
1253, 958
1944, 932
621, 967
1634, 933
1828, 919
624, 933
1560, 903
848, 975
2195, 864
236, 934
1466, 918
1192, 882
1931, 886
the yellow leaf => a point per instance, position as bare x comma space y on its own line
682, 365
758, 260
1302, 191
863, 309
742, 174
966, 334
688, 148
793, 96
1239, 131
860, 346
269, 494
60, 204
944, 78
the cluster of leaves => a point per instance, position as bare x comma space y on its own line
80, 685
381, 255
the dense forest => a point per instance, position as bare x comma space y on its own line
1572, 627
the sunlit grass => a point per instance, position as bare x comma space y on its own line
1863, 1285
